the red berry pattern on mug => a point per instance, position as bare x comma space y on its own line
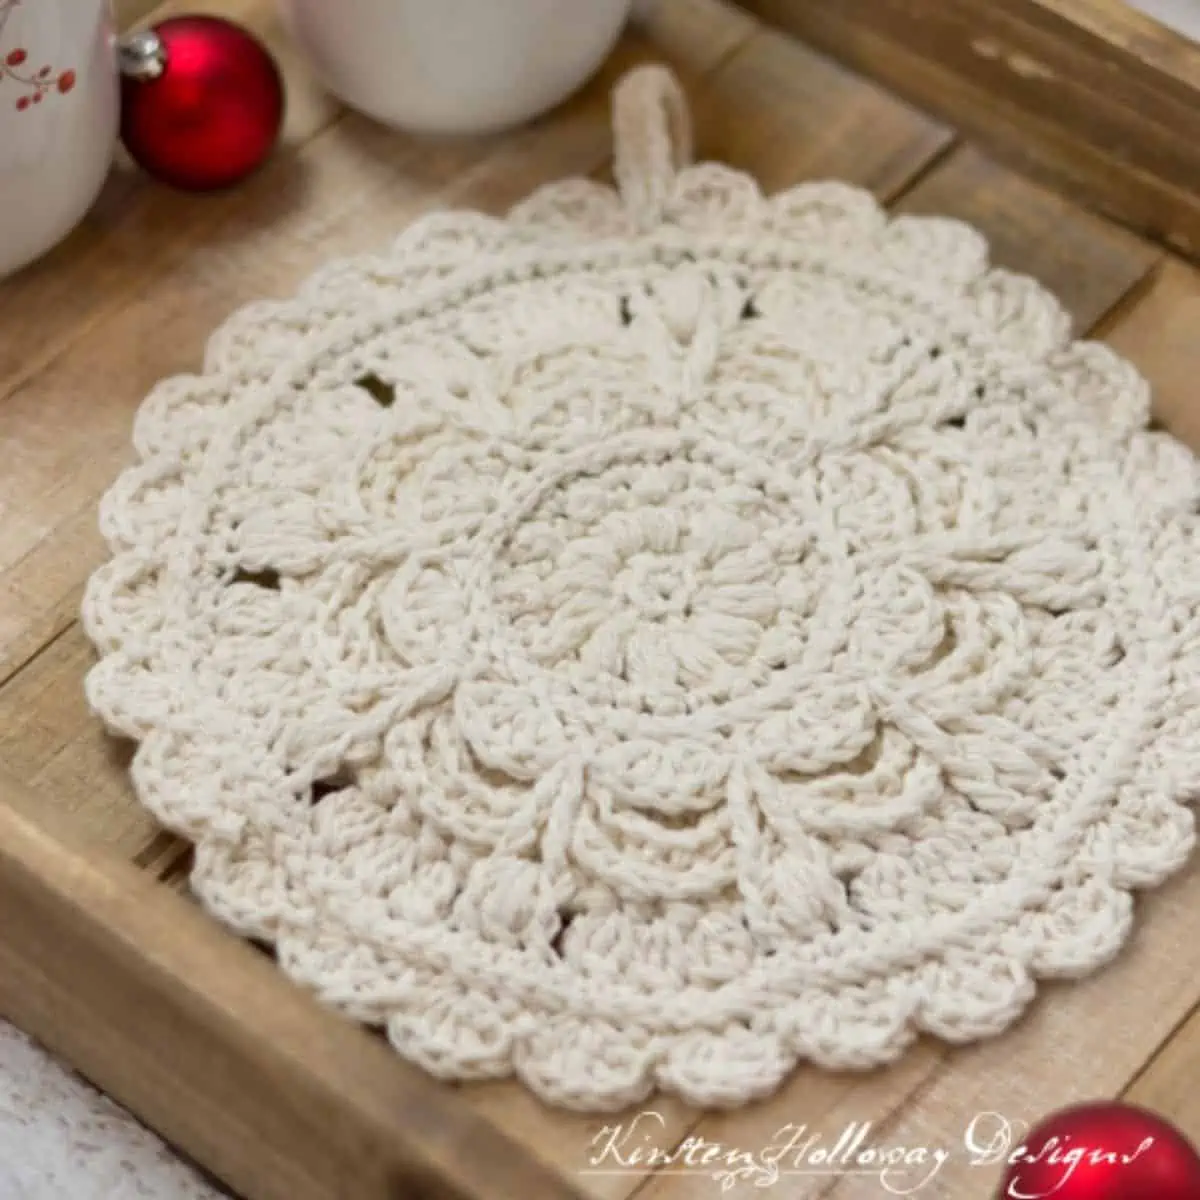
34, 85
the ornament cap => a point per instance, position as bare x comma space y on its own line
142, 56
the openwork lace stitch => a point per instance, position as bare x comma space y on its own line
664, 635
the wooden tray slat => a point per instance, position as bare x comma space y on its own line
1162, 335
1098, 98
1088, 263
786, 114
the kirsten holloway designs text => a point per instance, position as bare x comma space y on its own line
793, 1150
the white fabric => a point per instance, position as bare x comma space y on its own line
664, 635
61, 1140
1181, 15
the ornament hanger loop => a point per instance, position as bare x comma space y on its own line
652, 131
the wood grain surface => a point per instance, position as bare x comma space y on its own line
1093, 95
114, 967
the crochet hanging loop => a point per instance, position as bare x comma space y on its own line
652, 132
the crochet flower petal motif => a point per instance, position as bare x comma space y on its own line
662, 636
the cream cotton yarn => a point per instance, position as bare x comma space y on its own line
661, 636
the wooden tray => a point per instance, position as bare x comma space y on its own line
102, 954
1090, 95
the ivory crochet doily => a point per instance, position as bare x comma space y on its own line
664, 635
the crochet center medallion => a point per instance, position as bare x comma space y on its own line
662, 636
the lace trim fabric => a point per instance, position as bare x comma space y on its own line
664, 635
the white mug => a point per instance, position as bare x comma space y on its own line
455, 66
59, 115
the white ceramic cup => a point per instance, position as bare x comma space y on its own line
59, 115
455, 66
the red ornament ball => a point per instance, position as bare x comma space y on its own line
210, 113
1103, 1151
